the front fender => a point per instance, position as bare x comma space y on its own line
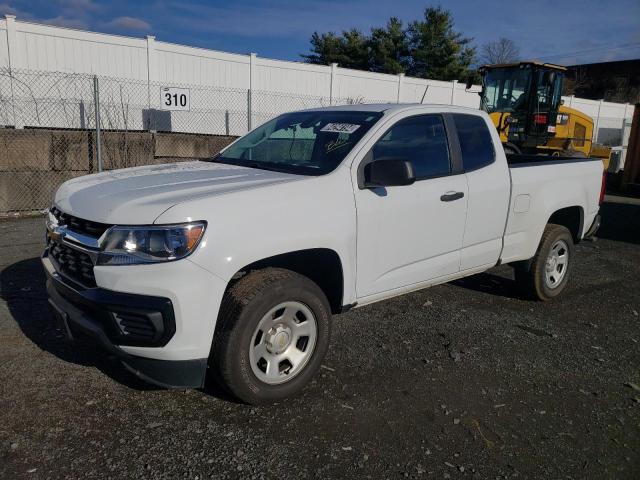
251, 225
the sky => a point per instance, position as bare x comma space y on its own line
565, 32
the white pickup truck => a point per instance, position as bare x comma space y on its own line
231, 268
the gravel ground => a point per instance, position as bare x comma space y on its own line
463, 380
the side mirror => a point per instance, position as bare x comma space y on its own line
469, 83
388, 172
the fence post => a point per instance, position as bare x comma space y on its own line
96, 108
623, 153
227, 128
453, 91
400, 82
13, 62
332, 82
252, 61
151, 75
596, 127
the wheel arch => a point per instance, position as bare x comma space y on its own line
571, 218
321, 265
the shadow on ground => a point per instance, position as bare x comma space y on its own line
490, 283
22, 287
620, 222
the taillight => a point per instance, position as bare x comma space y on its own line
540, 118
603, 188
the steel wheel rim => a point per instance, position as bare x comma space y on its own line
555, 268
283, 342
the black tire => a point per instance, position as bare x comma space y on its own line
531, 277
243, 306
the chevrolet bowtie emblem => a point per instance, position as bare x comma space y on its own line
57, 233
54, 231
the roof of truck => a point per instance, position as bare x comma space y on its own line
525, 62
389, 107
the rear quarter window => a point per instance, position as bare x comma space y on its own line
475, 139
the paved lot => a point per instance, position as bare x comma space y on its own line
463, 380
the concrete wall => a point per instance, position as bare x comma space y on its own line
34, 162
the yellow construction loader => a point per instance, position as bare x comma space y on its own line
524, 100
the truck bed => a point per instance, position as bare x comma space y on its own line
540, 186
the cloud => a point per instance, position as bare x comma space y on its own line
78, 6
279, 18
129, 24
61, 21
6, 9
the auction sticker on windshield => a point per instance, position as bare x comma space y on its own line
340, 128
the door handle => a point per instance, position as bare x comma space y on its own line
451, 196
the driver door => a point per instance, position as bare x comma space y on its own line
410, 234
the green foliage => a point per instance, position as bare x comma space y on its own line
388, 48
427, 48
437, 51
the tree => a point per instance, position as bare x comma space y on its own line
437, 51
502, 50
388, 48
349, 50
428, 48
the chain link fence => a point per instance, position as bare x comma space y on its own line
49, 127
55, 126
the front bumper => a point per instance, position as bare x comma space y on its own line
106, 318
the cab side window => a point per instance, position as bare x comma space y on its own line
422, 140
475, 141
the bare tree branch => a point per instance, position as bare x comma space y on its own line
502, 50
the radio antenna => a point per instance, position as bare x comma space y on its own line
424, 94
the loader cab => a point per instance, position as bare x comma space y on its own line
523, 100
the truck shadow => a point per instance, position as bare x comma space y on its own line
489, 282
620, 222
22, 287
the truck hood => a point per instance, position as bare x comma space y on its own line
139, 195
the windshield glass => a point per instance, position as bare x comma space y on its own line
307, 143
505, 89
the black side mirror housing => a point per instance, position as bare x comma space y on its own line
388, 172
469, 83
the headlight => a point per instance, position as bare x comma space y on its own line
149, 244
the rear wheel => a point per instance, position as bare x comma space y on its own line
273, 332
546, 275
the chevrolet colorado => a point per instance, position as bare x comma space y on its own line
232, 267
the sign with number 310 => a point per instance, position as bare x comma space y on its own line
172, 98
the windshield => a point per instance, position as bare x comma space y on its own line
307, 143
505, 89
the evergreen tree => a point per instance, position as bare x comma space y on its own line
428, 48
437, 51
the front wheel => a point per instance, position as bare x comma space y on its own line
545, 276
272, 335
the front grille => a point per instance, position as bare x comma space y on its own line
73, 263
80, 225
135, 326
